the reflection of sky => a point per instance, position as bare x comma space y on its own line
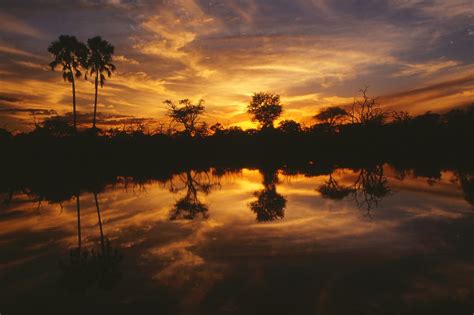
417, 54
190, 258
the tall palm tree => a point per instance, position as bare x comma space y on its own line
71, 55
99, 63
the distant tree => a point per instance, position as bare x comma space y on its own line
401, 117
70, 54
331, 115
289, 126
217, 128
366, 110
187, 114
56, 126
265, 108
99, 64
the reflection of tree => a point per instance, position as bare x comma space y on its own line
269, 205
332, 190
189, 206
88, 267
368, 189
467, 185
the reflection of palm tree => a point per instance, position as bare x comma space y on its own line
269, 205
69, 53
190, 206
78, 209
102, 244
87, 268
99, 63
109, 258
467, 185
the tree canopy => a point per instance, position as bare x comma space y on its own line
187, 114
265, 108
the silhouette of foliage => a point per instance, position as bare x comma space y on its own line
289, 126
99, 64
187, 114
366, 110
331, 115
69, 54
265, 108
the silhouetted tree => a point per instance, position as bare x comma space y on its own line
99, 63
289, 126
331, 115
270, 205
56, 126
265, 108
187, 114
217, 128
366, 110
401, 117
70, 54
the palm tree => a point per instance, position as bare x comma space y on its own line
71, 54
99, 63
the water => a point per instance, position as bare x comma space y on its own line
370, 241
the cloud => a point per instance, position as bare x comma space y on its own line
10, 99
425, 69
6, 49
14, 25
314, 53
32, 111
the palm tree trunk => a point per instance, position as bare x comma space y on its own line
74, 103
78, 207
95, 100
100, 224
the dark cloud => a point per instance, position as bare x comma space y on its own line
10, 99
32, 111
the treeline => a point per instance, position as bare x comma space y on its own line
360, 131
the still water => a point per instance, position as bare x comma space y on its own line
244, 242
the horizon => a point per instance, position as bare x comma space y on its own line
415, 56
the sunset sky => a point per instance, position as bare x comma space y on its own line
416, 55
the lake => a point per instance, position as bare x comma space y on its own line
244, 241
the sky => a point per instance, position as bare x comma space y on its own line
415, 55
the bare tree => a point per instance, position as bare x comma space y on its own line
366, 110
